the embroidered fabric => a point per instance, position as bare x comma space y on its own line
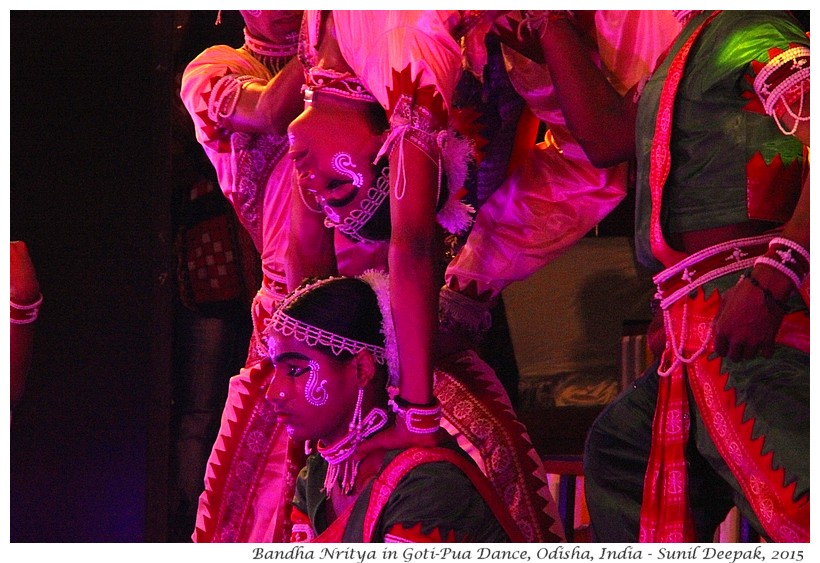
419, 123
450, 152
787, 257
461, 313
273, 55
706, 265
260, 47
256, 157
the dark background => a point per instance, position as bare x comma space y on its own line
92, 193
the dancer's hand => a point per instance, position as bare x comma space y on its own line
749, 319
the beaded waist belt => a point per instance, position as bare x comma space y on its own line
707, 265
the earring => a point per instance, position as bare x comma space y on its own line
317, 208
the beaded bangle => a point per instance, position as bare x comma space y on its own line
790, 244
767, 295
787, 257
25, 314
785, 80
419, 419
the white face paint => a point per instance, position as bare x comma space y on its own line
342, 163
315, 394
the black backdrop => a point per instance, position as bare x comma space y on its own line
90, 194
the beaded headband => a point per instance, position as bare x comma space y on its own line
353, 223
286, 325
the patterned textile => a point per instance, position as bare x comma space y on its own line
478, 413
405, 501
729, 414
745, 430
557, 196
665, 516
251, 451
251, 171
251, 470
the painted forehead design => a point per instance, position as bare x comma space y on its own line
343, 164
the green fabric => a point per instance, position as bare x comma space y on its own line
436, 495
714, 137
776, 394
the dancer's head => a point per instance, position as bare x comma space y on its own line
326, 344
333, 144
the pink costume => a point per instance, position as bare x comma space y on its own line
249, 477
410, 62
256, 179
557, 195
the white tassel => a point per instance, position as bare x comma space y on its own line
455, 216
457, 153
380, 284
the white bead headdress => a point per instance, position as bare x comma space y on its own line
342, 467
286, 325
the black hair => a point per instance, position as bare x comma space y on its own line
344, 306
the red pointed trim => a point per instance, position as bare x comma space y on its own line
783, 518
486, 419
403, 84
772, 189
